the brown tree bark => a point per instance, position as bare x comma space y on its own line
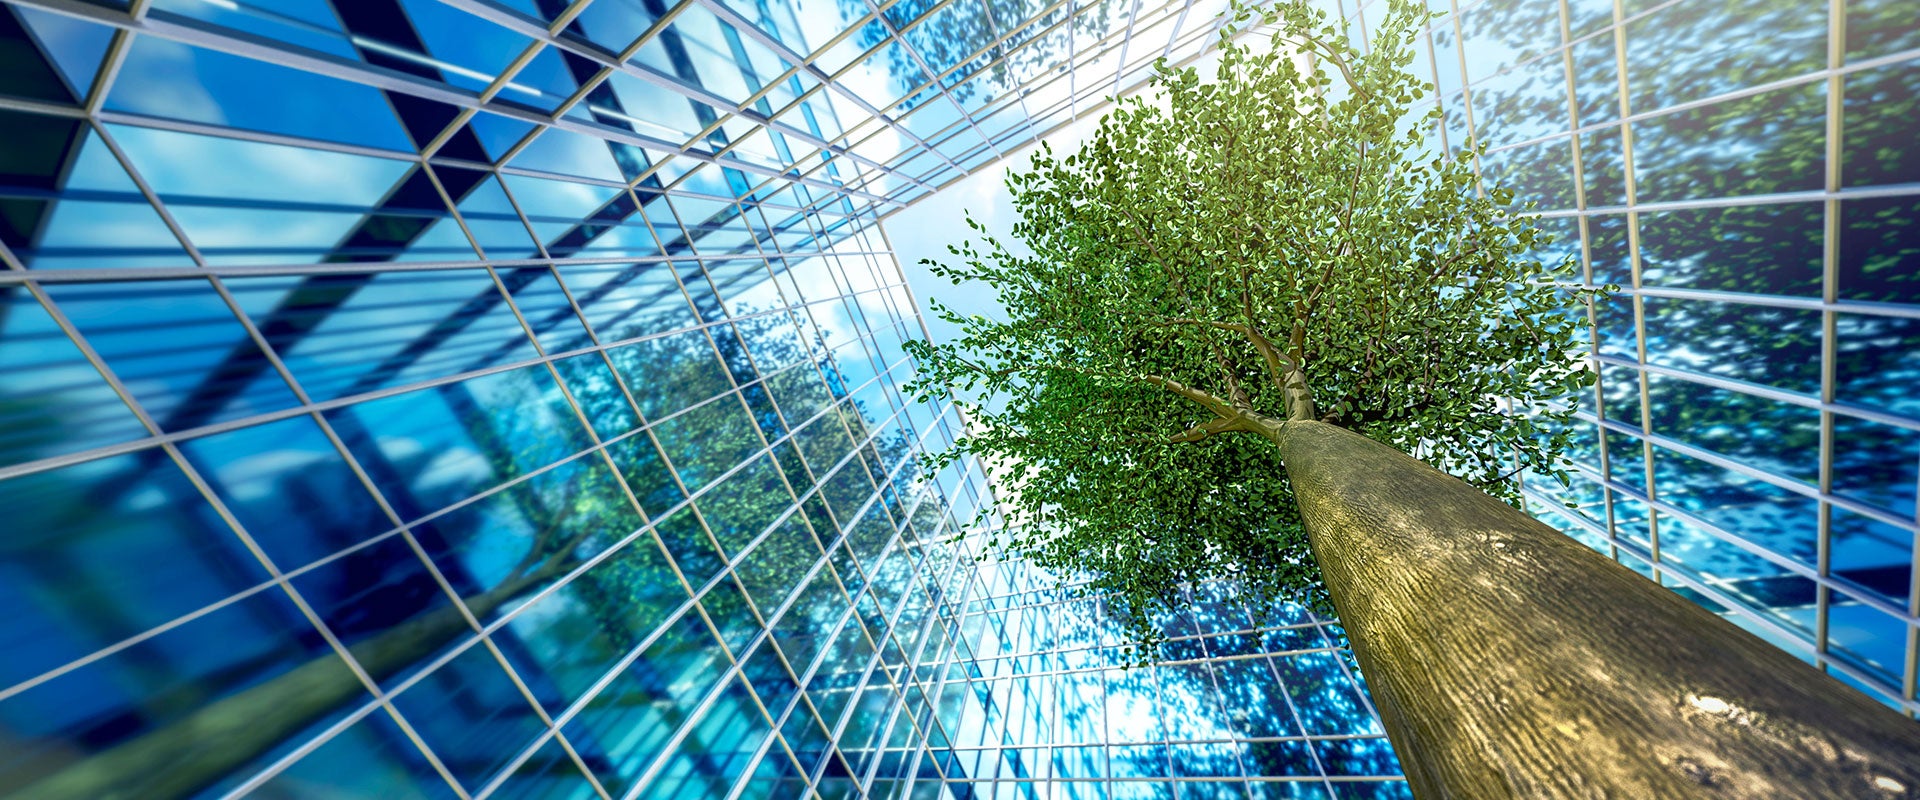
1508, 660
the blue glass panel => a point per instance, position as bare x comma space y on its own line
259, 472
1683, 53
523, 538
626, 726
471, 715
207, 371
53, 214
741, 508
346, 334
707, 441
717, 750
1757, 344
166, 79
1871, 554
692, 549
1761, 144
222, 696
628, 301
1357, 756
104, 550
586, 625
1872, 638
550, 774
546, 309
264, 203
51, 400
428, 448
372, 758
385, 606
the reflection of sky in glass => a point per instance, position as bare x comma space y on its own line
634, 505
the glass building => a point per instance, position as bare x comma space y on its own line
1747, 173
500, 399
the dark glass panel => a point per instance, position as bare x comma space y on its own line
204, 370
1766, 143
1880, 108
1880, 249
1876, 464
52, 401
1877, 362
1689, 51
260, 472
383, 603
104, 550
1767, 434
470, 713
196, 708
1758, 344
1770, 249
1880, 27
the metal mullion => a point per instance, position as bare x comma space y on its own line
1788, 565
226, 515
751, 31
1770, 393
406, 532
1829, 357
1748, 91
898, 34
54, 462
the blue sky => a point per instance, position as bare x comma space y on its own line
925, 229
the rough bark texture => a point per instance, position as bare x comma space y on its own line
1508, 660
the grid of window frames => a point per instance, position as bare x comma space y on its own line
417, 399
1746, 172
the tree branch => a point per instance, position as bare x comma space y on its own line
1212, 402
1206, 429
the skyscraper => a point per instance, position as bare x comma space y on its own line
409, 399
472, 398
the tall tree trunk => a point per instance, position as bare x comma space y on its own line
1508, 660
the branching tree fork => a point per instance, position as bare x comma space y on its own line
1277, 255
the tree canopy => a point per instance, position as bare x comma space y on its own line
1223, 256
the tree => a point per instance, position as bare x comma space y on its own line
1248, 301
1268, 247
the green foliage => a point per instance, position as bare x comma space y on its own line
1281, 225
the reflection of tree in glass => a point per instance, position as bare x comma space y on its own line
960, 33
558, 521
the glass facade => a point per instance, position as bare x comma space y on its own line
500, 399
1747, 173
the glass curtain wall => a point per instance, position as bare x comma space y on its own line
500, 399
1746, 172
